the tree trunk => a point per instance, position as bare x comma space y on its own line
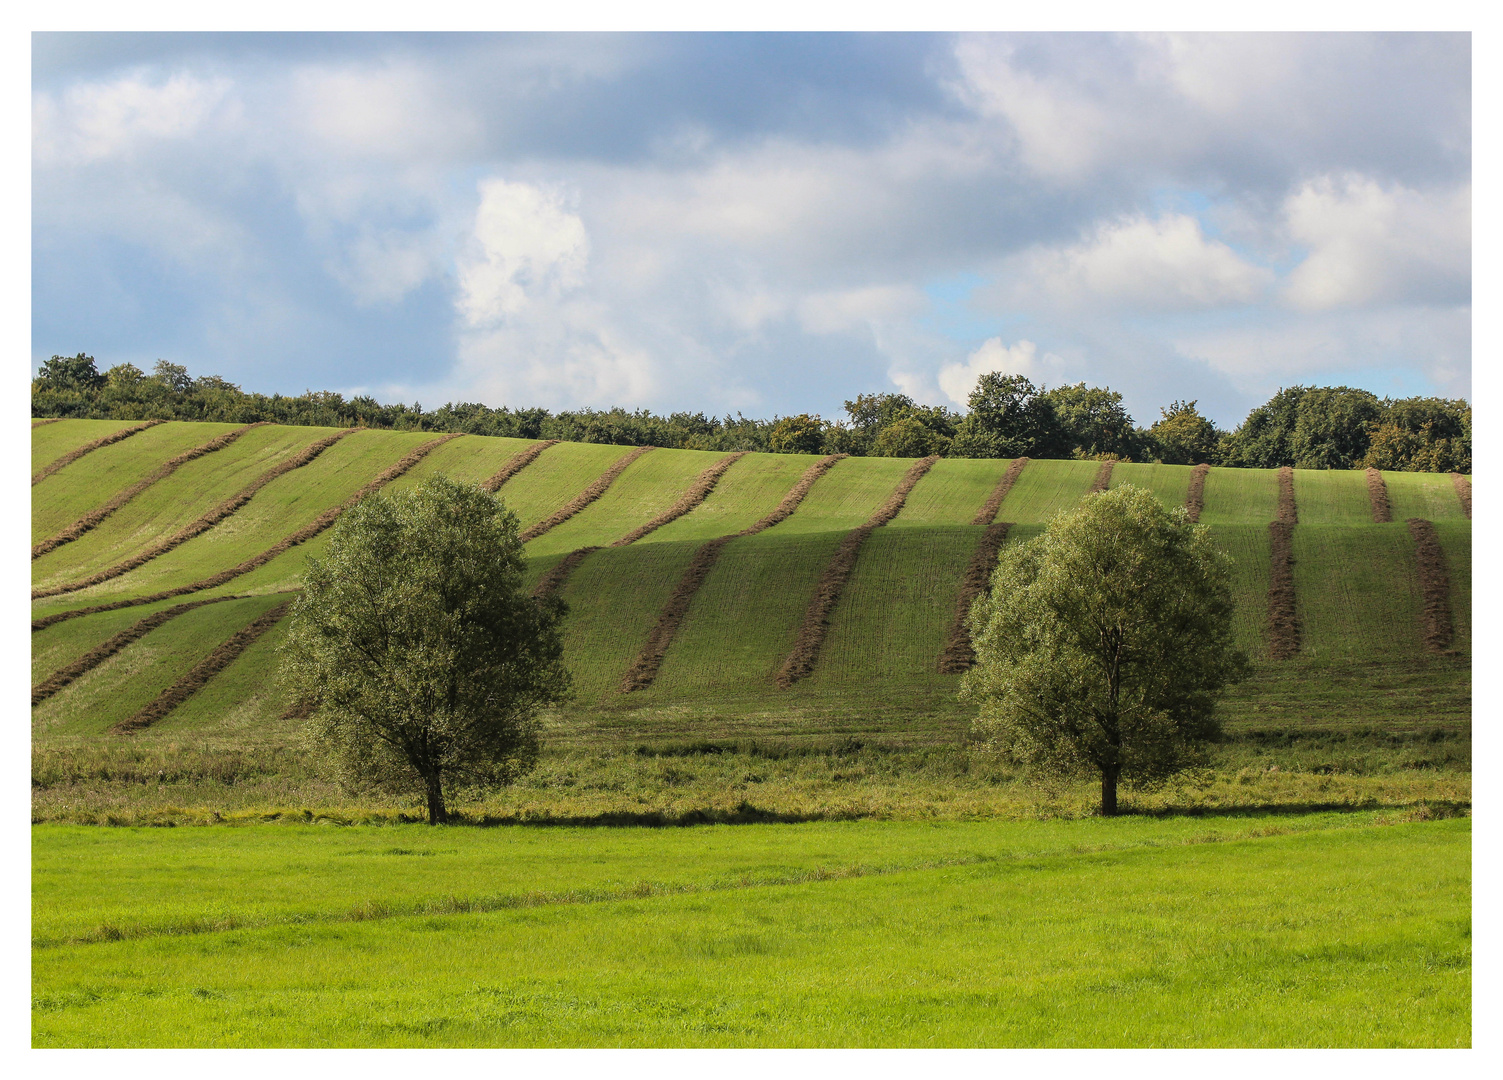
1109, 792
437, 814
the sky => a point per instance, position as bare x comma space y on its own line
762, 223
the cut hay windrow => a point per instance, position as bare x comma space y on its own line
1103, 478
698, 492
73, 455
100, 653
43, 423
1195, 498
1463, 488
203, 524
1377, 494
816, 624
195, 680
1435, 586
644, 668
585, 497
554, 579
1283, 622
166, 469
1288, 513
958, 655
516, 463
302, 536
988, 512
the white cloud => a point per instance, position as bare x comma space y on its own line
848, 309
1368, 243
96, 121
526, 246
387, 112
958, 380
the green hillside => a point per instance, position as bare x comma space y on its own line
1358, 585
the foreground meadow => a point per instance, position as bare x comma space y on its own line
1317, 929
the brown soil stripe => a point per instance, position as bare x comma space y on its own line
698, 492
516, 463
43, 423
1288, 513
1435, 586
1463, 488
1377, 494
98, 655
554, 579
585, 497
202, 672
958, 655
1103, 478
303, 535
1195, 498
203, 524
94, 517
1283, 623
73, 455
645, 668
811, 634
988, 512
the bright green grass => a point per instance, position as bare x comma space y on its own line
93, 479
1456, 543
979, 934
469, 459
62, 643
53, 441
1044, 488
1332, 497
1251, 553
648, 487
245, 701
952, 492
846, 496
1169, 484
1423, 495
1240, 497
1356, 592
749, 491
167, 507
557, 475
125, 683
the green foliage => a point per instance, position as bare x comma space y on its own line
69, 373
893, 425
1092, 423
1105, 643
1181, 436
1009, 417
801, 434
422, 659
909, 437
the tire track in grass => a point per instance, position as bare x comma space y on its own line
73, 455
1103, 478
166, 469
1283, 620
645, 668
1463, 488
202, 672
303, 535
1435, 586
958, 655
585, 497
988, 512
203, 524
811, 634
1195, 498
515, 464
1377, 494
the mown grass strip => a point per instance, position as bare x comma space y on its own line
203, 524
1463, 492
202, 672
648, 662
43, 423
811, 634
988, 512
166, 469
515, 464
958, 656
1283, 618
554, 579
1377, 494
585, 497
1288, 513
1195, 498
73, 455
1103, 478
303, 535
698, 492
1435, 585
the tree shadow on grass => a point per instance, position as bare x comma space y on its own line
1424, 810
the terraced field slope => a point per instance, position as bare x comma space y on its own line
122, 621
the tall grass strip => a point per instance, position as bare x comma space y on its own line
1463, 492
302, 536
1103, 478
988, 512
585, 497
516, 463
816, 624
1195, 498
73, 455
202, 672
958, 655
698, 492
1435, 585
1377, 494
554, 579
203, 524
648, 662
100, 653
1288, 513
166, 469
43, 423
1283, 622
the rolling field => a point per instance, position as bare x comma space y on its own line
1332, 498
54, 440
